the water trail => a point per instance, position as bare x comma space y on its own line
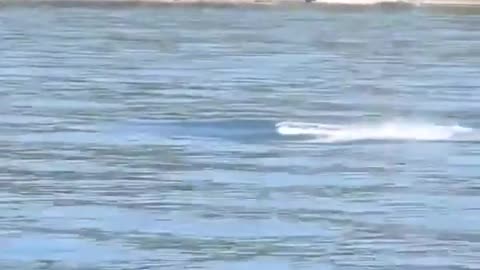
388, 130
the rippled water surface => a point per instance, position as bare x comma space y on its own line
239, 138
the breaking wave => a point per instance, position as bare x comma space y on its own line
378, 131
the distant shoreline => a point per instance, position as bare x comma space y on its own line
324, 3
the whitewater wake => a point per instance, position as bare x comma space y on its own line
390, 130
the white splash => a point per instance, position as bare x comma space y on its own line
390, 130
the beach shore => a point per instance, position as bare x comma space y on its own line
428, 3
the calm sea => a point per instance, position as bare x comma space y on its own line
154, 137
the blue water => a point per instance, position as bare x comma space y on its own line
162, 137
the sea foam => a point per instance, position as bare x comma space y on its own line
388, 130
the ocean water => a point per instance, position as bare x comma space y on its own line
155, 137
